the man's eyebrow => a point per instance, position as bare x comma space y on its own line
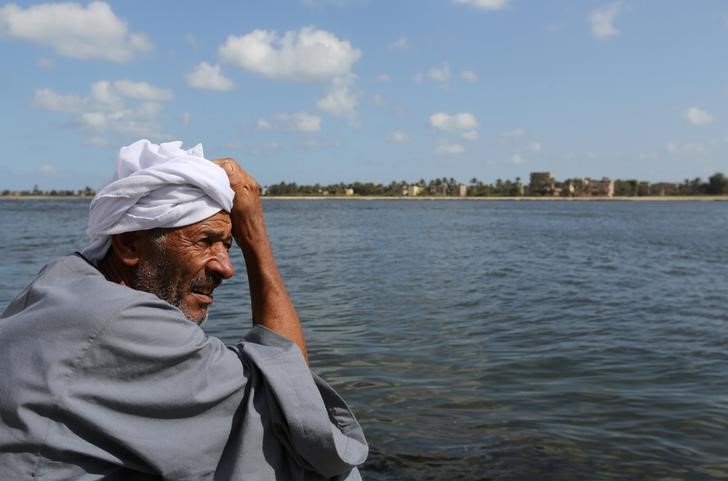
216, 234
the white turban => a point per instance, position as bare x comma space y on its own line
156, 186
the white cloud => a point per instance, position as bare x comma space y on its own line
308, 54
186, 118
297, 122
602, 21
301, 122
471, 135
383, 78
447, 148
208, 77
454, 122
47, 169
264, 125
47, 99
436, 74
469, 76
339, 100
378, 100
72, 30
398, 136
483, 4
688, 148
536, 147
517, 159
142, 91
400, 43
106, 109
697, 116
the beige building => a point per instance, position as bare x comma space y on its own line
411, 190
588, 187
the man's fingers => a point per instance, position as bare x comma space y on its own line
239, 178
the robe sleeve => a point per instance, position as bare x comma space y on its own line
152, 393
321, 437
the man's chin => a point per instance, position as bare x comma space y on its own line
197, 315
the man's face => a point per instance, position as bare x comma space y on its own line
184, 265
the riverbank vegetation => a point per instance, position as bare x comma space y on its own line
717, 184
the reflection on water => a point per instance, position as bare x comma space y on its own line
492, 340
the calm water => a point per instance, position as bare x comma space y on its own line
492, 340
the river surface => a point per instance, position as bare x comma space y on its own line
491, 340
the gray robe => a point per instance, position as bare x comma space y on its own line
102, 382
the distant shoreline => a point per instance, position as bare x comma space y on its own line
682, 198
666, 198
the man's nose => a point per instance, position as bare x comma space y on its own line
221, 264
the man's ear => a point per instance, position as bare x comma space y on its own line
126, 247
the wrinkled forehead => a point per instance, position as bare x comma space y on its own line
219, 223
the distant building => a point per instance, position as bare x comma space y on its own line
462, 190
349, 192
411, 190
600, 188
542, 183
439, 189
588, 187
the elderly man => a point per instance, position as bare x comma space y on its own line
106, 374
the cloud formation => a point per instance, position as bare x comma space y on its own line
698, 116
398, 136
453, 122
688, 148
71, 30
436, 74
483, 4
106, 109
400, 43
469, 76
448, 148
208, 77
142, 91
293, 122
602, 21
307, 55
340, 101
471, 135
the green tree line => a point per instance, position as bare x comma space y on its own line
717, 184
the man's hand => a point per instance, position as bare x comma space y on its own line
270, 303
247, 213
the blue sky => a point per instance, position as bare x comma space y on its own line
343, 90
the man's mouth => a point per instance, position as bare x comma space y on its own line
202, 288
204, 295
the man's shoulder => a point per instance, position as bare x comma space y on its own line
72, 288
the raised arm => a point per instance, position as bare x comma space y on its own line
271, 305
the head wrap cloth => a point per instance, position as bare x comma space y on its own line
156, 186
